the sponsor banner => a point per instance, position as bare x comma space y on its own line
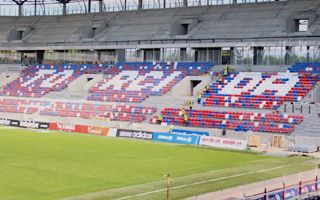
29, 124
308, 188
145, 135
291, 193
112, 132
4, 121
124, 133
43, 125
15, 123
35, 125
24, 124
275, 196
176, 138
98, 130
62, 127
79, 129
190, 132
223, 142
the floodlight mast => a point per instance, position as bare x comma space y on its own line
20, 4
89, 6
64, 3
100, 6
185, 3
140, 2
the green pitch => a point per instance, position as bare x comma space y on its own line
44, 166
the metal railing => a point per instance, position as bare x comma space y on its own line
295, 191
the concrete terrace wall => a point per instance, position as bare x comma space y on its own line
315, 94
184, 87
81, 84
7, 77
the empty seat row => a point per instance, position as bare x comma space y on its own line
308, 67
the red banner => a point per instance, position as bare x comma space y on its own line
79, 129
98, 130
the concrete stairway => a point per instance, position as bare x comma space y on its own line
311, 123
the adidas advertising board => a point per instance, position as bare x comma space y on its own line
145, 135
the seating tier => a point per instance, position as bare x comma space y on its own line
259, 91
238, 121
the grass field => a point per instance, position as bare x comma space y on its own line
44, 166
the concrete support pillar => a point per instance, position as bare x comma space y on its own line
288, 57
120, 55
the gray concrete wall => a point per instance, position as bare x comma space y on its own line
200, 87
82, 85
315, 94
302, 140
7, 77
184, 87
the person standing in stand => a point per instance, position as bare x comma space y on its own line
199, 97
160, 119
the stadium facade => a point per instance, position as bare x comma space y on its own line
259, 33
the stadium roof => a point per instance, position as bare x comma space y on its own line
58, 7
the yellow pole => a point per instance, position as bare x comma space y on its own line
168, 185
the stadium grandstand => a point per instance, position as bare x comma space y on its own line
192, 99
